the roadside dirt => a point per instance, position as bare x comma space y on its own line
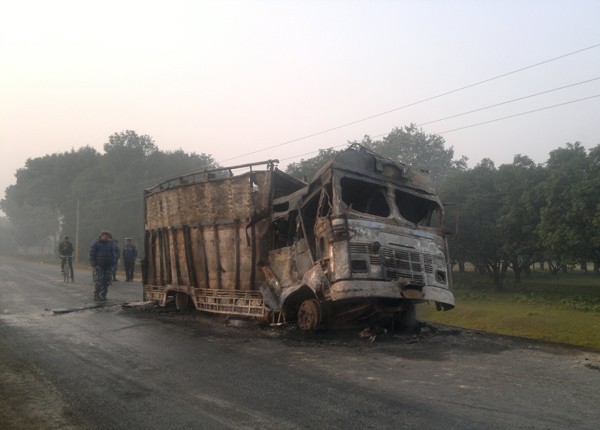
27, 400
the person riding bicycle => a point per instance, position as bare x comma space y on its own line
65, 249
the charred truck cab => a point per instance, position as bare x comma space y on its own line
364, 240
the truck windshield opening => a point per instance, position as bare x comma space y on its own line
417, 209
365, 197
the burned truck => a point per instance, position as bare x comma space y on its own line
364, 240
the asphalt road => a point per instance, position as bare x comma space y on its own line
112, 367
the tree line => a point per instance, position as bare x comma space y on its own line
508, 216
523, 212
55, 194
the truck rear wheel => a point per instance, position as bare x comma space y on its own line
310, 315
181, 301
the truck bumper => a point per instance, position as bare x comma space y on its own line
354, 289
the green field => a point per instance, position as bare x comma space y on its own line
562, 309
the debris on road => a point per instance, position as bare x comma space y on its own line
148, 304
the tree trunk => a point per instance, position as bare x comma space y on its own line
517, 272
497, 271
554, 268
517, 268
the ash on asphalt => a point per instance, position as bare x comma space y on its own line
353, 336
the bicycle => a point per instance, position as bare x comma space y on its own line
67, 268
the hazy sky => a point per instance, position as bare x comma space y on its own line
228, 78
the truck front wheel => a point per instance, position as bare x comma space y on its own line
310, 315
406, 320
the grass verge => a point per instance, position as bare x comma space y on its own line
563, 309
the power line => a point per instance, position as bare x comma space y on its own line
429, 99
416, 103
136, 195
471, 125
499, 104
150, 182
312, 152
520, 114
508, 101
116, 200
119, 197
404, 107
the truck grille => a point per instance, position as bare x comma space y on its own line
402, 264
396, 262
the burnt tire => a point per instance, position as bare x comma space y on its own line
310, 315
406, 320
182, 301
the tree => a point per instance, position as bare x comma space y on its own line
453, 191
36, 205
111, 194
412, 146
408, 145
306, 169
479, 239
33, 224
593, 195
131, 141
105, 190
483, 208
517, 187
7, 236
566, 216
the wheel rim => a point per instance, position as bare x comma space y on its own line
309, 315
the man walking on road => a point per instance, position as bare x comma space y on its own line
129, 255
102, 258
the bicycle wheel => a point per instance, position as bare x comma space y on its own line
67, 273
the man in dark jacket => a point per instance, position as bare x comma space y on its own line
129, 255
102, 259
